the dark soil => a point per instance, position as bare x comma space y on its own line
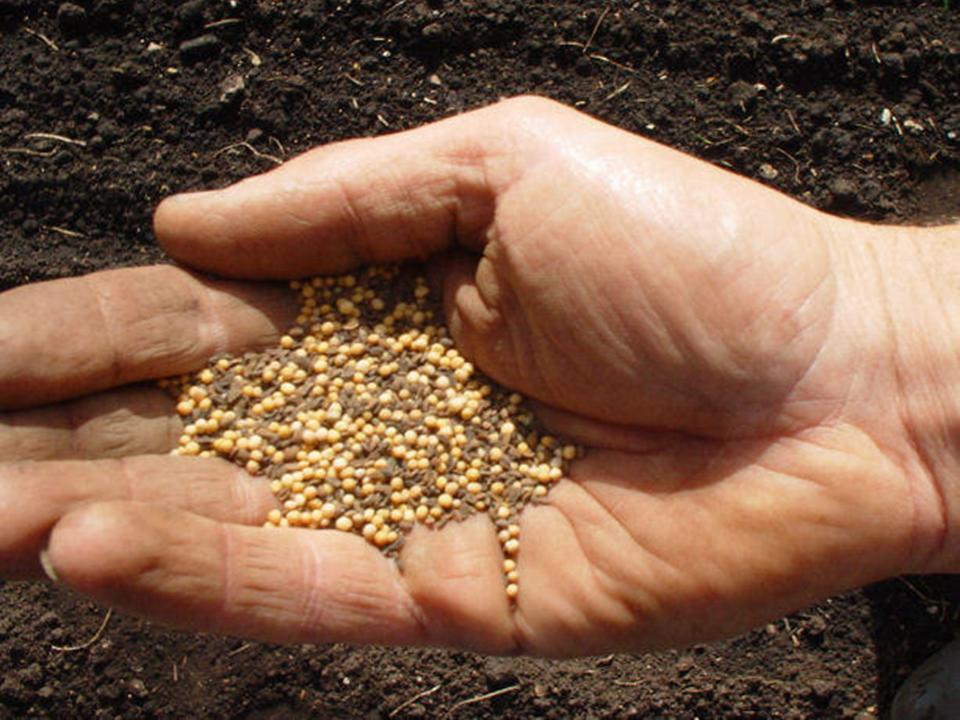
850, 106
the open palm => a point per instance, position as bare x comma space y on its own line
720, 350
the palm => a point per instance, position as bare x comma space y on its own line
635, 295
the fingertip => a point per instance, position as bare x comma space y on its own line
182, 224
168, 212
84, 543
454, 578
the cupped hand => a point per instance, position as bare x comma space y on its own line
724, 353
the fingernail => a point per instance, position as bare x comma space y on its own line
47, 564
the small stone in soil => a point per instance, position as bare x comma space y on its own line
199, 48
71, 19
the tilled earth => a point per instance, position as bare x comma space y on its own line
108, 105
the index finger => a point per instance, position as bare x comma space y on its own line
373, 200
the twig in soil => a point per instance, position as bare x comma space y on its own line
28, 151
791, 158
712, 143
629, 683
407, 703
176, 674
221, 23
619, 91
252, 149
280, 147
351, 78
43, 38
62, 231
255, 59
84, 645
596, 26
793, 122
58, 138
916, 591
791, 632
481, 698
605, 59
237, 651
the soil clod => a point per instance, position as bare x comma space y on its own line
199, 48
71, 19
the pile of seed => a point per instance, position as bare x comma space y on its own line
366, 419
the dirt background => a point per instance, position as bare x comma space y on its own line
849, 106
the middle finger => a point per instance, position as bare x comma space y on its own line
134, 420
35, 495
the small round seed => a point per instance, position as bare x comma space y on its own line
366, 419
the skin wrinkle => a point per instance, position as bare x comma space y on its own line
111, 431
251, 246
521, 633
419, 243
602, 435
174, 431
473, 201
213, 331
310, 574
600, 571
359, 248
656, 330
489, 283
469, 328
553, 389
214, 223
116, 363
736, 383
781, 408
583, 620
519, 256
228, 582
835, 451
292, 194
926, 460
242, 491
124, 470
92, 426
941, 533
73, 425
773, 319
521, 336
648, 552
410, 607
443, 189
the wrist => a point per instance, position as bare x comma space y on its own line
917, 279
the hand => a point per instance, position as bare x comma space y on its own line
736, 363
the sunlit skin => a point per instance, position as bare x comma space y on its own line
767, 394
